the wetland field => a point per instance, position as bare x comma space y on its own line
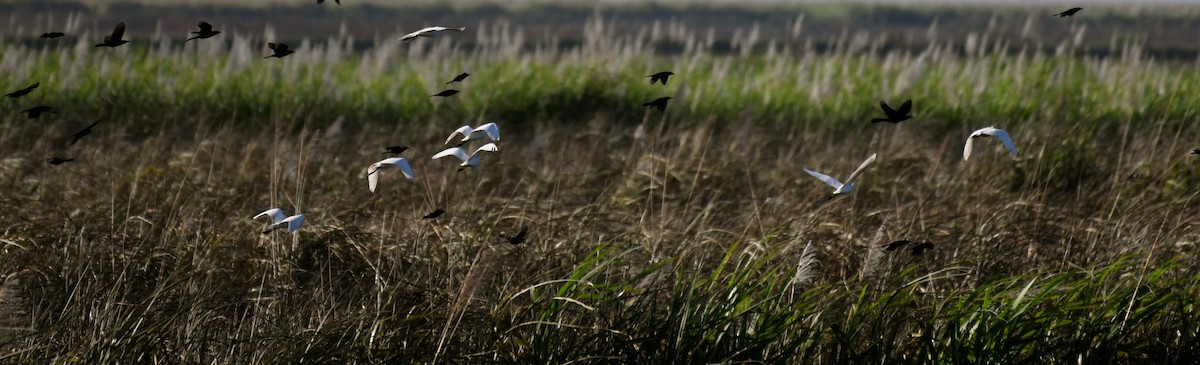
690, 235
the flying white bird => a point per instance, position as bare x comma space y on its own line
838, 186
989, 132
471, 160
490, 130
398, 162
279, 221
291, 223
428, 32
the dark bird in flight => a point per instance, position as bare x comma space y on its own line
660, 103
434, 214
896, 245
339, 2
895, 115
205, 31
58, 160
51, 35
459, 78
519, 238
1196, 151
920, 248
661, 76
1068, 13
395, 150
37, 111
86, 131
23, 92
114, 39
445, 93
281, 50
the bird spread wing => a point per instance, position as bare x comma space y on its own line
117, 33
905, 108
424, 32
491, 130
967, 148
410, 36
453, 151
1006, 139
825, 178
276, 214
463, 131
490, 147
373, 176
292, 223
854, 175
405, 168
887, 109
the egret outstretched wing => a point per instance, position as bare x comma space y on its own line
491, 130
1007, 140
859, 170
460, 153
826, 178
276, 214
464, 131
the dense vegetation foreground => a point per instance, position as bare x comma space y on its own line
688, 236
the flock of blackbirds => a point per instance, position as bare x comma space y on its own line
491, 131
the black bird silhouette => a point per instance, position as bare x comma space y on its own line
1068, 13
661, 76
113, 40
660, 103
86, 131
896, 245
920, 248
205, 31
434, 214
23, 92
519, 238
58, 160
395, 150
339, 2
37, 111
50, 35
445, 93
281, 50
459, 78
895, 115
1196, 151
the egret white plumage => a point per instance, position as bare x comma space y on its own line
292, 224
838, 186
471, 160
429, 32
989, 132
490, 130
397, 162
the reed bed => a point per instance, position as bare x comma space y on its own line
684, 236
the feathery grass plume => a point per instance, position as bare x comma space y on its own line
806, 268
874, 252
13, 315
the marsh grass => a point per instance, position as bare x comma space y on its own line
654, 237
